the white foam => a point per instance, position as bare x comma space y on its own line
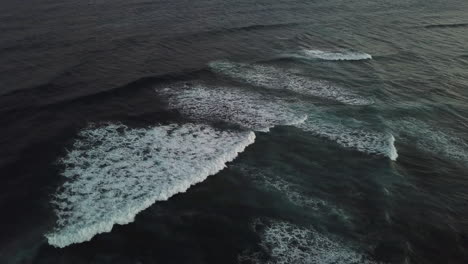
430, 139
286, 243
336, 55
274, 78
367, 141
233, 105
114, 172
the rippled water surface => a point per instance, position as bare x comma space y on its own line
209, 131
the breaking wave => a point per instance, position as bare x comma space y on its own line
285, 243
363, 140
274, 78
228, 104
113, 172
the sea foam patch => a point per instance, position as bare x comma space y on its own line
293, 191
335, 55
113, 172
273, 78
360, 139
285, 243
233, 105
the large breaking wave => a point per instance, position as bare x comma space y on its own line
113, 172
273, 78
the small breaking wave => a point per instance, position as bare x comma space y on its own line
273, 78
367, 141
113, 172
285, 243
430, 139
335, 55
228, 104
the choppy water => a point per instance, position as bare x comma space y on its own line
234, 131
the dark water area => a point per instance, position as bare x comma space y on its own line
377, 173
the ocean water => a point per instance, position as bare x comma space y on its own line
269, 132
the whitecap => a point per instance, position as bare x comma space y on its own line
286, 243
360, 139
273, 78
233, 105
336, 55
113, 172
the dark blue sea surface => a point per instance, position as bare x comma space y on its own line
209, 131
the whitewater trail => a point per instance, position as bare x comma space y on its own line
335, 55
360, 139
269, 77
233, 105
114, 172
